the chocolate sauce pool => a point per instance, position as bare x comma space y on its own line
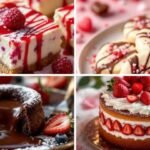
9, 137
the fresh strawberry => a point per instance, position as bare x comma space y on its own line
137, 88
120, 90
132, 79
132, 98
138, 130
56, 82
62, 65
45, 96
5, 80
146, 82
127, 129
148, 131
102, 118
145, 98
85, 24
121, 80
59, 124
109, 124
13, 19
117, 126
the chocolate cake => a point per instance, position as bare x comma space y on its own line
21, 109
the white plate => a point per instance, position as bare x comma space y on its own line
112, 34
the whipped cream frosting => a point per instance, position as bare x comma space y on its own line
122, 104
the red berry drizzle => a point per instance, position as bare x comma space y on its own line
33, 27
68, 22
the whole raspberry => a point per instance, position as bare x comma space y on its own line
62, 66
13, 19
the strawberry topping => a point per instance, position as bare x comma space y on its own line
102, 118
138, 130
127, 129
120, 90
145, 98
109, 124
148, 131
132, 98
137, 88
117, 126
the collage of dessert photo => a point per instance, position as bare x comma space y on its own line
74, 75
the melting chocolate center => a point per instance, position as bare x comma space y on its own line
10, 137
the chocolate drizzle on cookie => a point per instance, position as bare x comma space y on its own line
144, 35
118, 54
135, 65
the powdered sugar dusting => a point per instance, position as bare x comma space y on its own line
28, 96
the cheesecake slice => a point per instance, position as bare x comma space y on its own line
31, 47
46, 7
65, 18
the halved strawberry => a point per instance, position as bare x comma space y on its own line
117, 126
148, 131
127, 129
109, 124
145, 98
132, 98
102, 118
137, 88
138, 130
59, 124
120, 90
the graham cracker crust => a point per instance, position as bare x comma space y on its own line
31, 68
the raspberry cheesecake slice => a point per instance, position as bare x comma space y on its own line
125, 113
28, 40
65, 18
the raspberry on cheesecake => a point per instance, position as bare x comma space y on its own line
30, 42
125, 113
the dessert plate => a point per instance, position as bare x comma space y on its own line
114, 33
92, 136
